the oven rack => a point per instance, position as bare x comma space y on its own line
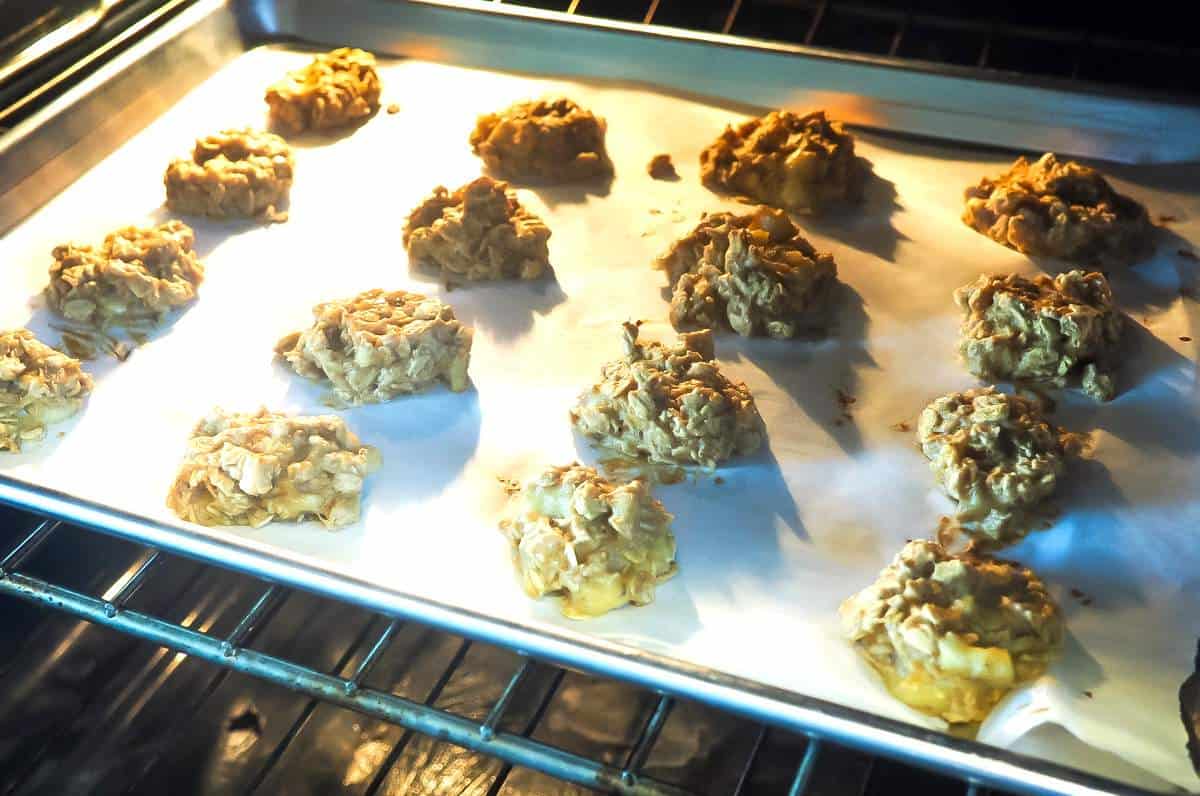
346, 687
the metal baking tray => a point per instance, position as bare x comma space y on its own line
46, 153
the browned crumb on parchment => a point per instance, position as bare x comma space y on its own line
844, 401
1167, 218
903, 426
661, 168
393, 109
511, 486
1081, 596
1185, 339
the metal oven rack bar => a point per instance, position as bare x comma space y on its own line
231, 652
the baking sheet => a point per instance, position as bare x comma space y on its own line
768, 553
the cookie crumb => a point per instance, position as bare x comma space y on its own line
661, 168
1167, 219
1185, 339
510, 485
393, 108
903, 426
844, 400
718, 480
1089, 695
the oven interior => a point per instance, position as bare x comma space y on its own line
90, 709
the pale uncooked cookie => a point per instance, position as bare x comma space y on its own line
997, 456
233, 173
1060, 209
1048, 330
478, 232
802, 163
669, 404
753, 272
551, 140
952, 634
252, 469
134, 278
379, 345
335, 89
39, 386
597, 543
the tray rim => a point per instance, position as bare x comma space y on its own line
986, 765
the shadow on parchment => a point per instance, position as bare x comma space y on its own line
728, 523
212, 233
568, 193
1155, 406
505, 309
819, 374
868, 226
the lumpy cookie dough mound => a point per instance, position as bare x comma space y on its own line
377, 346
997, 456
754, 273
1051, 330
252, 469
804, 164
951, 635
1060, 209
336, 89
478, 232
551, 140
135, 277
38, 386
669, 404
232, 173
598, 543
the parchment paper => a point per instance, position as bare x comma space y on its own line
766, 555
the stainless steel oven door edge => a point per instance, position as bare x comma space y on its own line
931, 100
45, 152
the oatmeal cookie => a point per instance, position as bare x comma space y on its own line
598, 543
1051, 330
551, 140
952, 634
135, 277
232, 173
378, 345
38, 386
476, 233
252, 469
997, 456
754, 272
804, 164
669, 404
336, 89
1060, 209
